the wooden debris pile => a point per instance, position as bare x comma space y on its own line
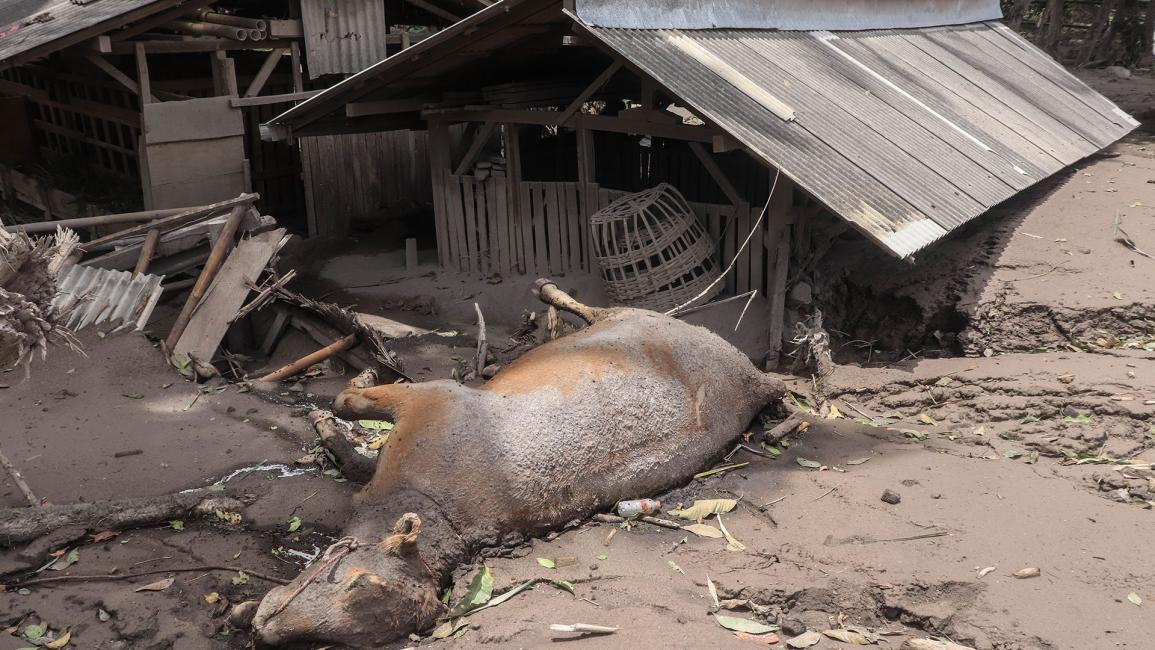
28, 319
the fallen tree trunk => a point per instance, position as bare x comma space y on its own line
21, 525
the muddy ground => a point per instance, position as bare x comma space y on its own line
1004, 388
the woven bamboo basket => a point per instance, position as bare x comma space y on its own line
652, 251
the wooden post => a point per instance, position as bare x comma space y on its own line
778, 244
1055, 11
142, 79
438, 166
410, 254
513, 173
587, 188
146, 251
224, 74
221, 248
264, 72
295, 59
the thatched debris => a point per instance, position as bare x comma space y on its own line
28, 321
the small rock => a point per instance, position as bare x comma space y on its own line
891, 497
489, 371
936, 496
1118, 71
793, 626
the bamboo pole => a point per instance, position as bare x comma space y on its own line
220, 250
309, 359
99, 220
146, 252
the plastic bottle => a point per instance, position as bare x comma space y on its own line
636, 507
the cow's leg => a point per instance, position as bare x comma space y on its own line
552, 295
374, 402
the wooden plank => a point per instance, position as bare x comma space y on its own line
226, 295
755, 249
555, 202
548, 207
438, 161
525, 205
194, 119
499, 212
728, 248
777, 296
142, 77
265, 71
469, 205
587, 211
114, 72
493, 219
295, 62
458, 249
742, 269
226, 69
175, 162
716, 173
571, 219
589, 91
479, 142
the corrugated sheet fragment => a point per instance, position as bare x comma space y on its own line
906, 134
343, 36
805, 15
94, 296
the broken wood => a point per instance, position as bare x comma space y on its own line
354, 466
309, 359
167, 224
146, 252
99, 220
482, 343
221, 248
784, 429
19, 525
19, 480
141, 574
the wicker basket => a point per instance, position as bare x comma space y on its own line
652, 251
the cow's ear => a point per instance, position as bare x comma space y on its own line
404, 535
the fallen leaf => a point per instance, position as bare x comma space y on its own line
176, 524
846, 636
479, 592
704, 530
984, 571
33, 632
744, 625
769, 638
212, 598
733, 544
294, 524
449, 628
547, 563
772, 450
104, 535
944, 381
804, 640
858, 461
134, 395
241, 578
233, 518
1116, 295
704, 508
376, 425
497, 600
60, 641
675, 567
65, 561
1012, 453
834, 413
713, 591
1029, 572
926, 419
806, 462
1135, 599
159, 585
602, 557
103, 616
564, 585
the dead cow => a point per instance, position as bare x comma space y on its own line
630, 406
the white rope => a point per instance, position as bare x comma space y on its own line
734, 261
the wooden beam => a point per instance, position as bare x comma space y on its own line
157, 18
265, 71
242, 102
716, 173
114, 72
475, 148
142, 77
661, 130
361, 109
286, 29
435, 10
371, 124
295, 61
589, 91
225, 77
725, 143
200, 44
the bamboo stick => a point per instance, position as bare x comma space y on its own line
99, 220
220, 250
309, 359
146, 252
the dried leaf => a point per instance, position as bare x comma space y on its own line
60, 641
713, 591
858, 461
744, 625
376, 425
765, 639
479, 592
547, 563
176, 524
564, 585
497, 600
675, 567
1135, 599
733, 545
847, 636
159, 585
704, 508
241, 578
212, 598
806, 462
804, 640
1029, 572
926, 419
983, 572
834, 413
449, 628
704, 530
134, 395
294, 524
104, 535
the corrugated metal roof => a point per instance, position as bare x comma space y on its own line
784, 14
38, 27
907, 134
343, 36
94, 296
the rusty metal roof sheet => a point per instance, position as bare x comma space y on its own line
784, 14
343, 36
95, 296
907, 134
30, 29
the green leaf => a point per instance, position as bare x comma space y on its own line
547, 563
1012, 453
450, 628
744, 625
1081, 418
65, 561
675, 567
772, 450
294, 524
497, 600
564, 585
806, 462
241, 578
447, 333
455, 375
602, 556
134, 395
1030, 419
33, 632
479, 592
176, 524
216, 487
377, 425
1135, 599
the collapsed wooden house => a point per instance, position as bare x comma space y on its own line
905, 121
116, 105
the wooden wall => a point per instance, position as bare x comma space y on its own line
362, 176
